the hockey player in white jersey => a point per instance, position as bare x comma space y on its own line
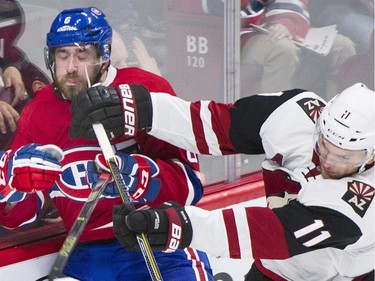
321, 156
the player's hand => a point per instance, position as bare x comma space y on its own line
116, 108
139, 173
168, 228
31, 168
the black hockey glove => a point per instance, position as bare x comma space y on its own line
122, 110
168, 228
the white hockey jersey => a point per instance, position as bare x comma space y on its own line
327, 233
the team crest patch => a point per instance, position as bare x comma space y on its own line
312, 107
359, 196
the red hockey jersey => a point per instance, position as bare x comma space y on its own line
46, 120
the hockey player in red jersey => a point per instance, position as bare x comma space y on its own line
318, 176
45, 161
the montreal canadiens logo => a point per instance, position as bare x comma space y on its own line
73, 181
359, 196
96, 11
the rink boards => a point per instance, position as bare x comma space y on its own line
33, 260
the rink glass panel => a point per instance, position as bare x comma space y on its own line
196, 47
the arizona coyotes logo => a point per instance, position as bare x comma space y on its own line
359, 196
312, 107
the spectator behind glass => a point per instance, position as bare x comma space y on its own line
12, 78
319, 73
274, 52
20, 78
139, 39
355, 25
354, 19
12, 18
358, 68
120, 54
283, 64
10, 85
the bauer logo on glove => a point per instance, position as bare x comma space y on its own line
123, 110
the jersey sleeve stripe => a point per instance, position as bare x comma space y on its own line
267, 234
171, 121
221, 126
230, 225
195, 109
209, 129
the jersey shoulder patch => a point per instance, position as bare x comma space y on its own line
359, 196
312, 107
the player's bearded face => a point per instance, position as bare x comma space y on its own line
76, 69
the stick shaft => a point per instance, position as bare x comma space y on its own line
110, 157
75, 232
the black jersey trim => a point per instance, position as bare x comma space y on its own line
308, 228
247, 117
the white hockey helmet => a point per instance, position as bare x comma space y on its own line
347, 121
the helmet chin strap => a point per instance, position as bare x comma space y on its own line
88, 78
54, 84
367, 161
102, 69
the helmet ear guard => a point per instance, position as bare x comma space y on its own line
49, 58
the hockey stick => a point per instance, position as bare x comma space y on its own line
109, 156
77, 228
